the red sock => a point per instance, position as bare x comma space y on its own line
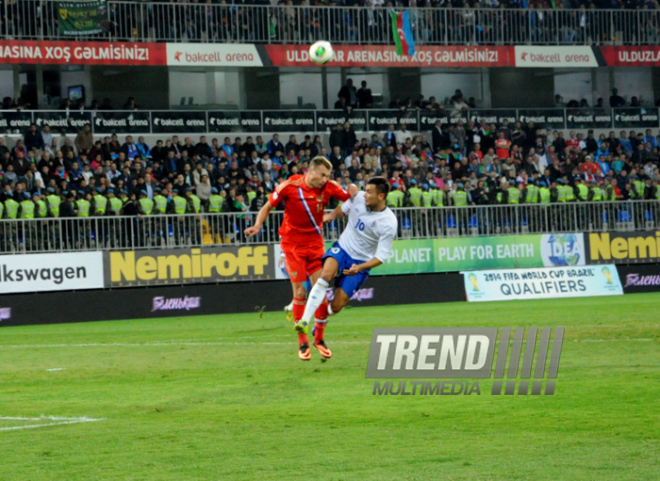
298, 311
318, 332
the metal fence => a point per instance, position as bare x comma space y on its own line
203, 22
148, 232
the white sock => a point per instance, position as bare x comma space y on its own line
314, 300
330, 313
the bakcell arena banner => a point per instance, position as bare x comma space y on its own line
256, 55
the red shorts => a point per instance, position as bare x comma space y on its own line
303, 260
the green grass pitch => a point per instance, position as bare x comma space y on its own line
226, 398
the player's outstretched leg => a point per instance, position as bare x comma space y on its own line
315, 298
320, 320
304, 352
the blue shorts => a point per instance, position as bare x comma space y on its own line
348, 284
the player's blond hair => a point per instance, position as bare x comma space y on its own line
320, 160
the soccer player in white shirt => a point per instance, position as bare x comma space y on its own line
365, 243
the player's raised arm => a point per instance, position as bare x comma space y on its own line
338, 213
261, 218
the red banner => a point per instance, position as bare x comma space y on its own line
85, 53
249, 55
631, 56
385, 56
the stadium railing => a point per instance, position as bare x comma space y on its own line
200, 230
247, 122
201, 22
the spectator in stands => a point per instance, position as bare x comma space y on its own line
616, 100
349, 93
364, 96
275, 145
33, 138
130, 104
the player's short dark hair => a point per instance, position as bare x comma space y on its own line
381, 183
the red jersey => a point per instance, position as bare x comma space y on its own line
573, 143
502, 147
304, 207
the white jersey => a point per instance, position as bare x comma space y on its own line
368, 234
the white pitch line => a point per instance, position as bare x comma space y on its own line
174, 343
163, 344
59, 421
614, 340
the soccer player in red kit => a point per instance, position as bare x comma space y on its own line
305, 199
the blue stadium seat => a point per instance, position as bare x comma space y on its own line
648, 216
604, 217
473, 222
624, 216
451, 222
406, 225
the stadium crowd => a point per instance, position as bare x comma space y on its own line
491, 164
440, 21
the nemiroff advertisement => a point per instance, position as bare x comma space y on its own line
186, 266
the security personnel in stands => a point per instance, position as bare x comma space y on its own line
11, 212
160, 202
41, 212
394, 197
26, 212
595, 192
112, 212
123, 197
100, 202
581, 191
514, 193
179, 206
251, 194
544, 193
84, 204
414, 194
569, 193
159, 224
26, 207
193, 224
427, 197
531, 193
145, 211
561, 193
54, 202
68, 214
460, 197
216, 202
438, 196
637, 188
